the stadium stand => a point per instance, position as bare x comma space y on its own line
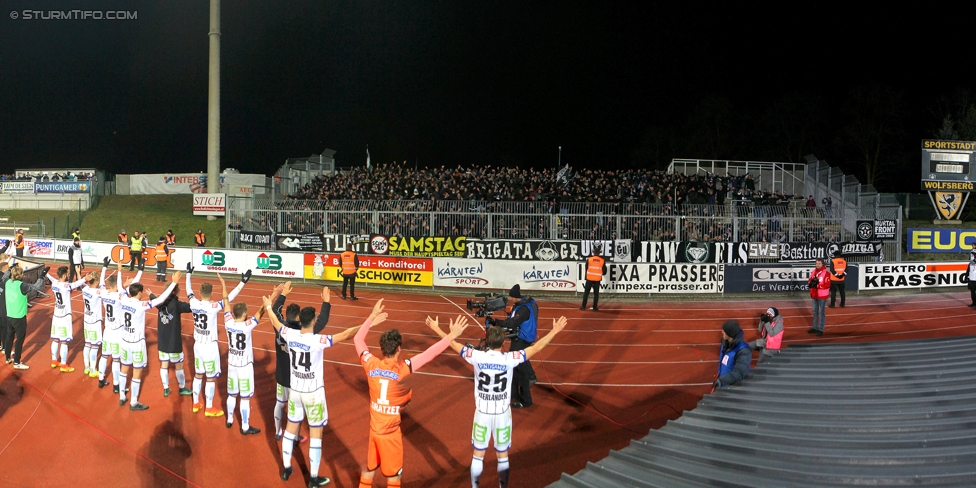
868, 414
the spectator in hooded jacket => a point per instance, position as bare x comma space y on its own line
735, 356
771, 329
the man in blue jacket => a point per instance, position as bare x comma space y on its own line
735, 356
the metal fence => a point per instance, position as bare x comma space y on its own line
497, 220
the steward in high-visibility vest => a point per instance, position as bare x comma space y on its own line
135, 251
200, 238
170, 238
19, 243
162, 259
838, 272
596, 267
350, 265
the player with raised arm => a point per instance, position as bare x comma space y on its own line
492, 393
307, 386
92, 296
206, 355
386, 396
61, 327
282, 358
111, 342
240, 359
134, 354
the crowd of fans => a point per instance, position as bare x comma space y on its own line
48, 176
643, 205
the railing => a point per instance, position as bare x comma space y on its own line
638, 222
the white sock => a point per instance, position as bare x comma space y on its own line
87, 357
197, 386
279, 414
116, 371
211, 388
477, 464
93, 357
102, 364
180, 378
64, 353
503, 472
136, 383
122, 379
164, 375
287, 444
231, 405
245, 413
314, 456
54, 351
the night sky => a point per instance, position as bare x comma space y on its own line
449, 82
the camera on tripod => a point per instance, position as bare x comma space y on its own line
492, 303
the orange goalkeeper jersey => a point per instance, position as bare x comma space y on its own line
386, 395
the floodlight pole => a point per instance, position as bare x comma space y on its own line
559, 162
213, 104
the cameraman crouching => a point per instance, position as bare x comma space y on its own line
524, 319
771, 328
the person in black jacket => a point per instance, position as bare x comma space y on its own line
735, 356
282, 358
170, 343
76, 262
523, 321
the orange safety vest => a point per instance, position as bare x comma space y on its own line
348, 263
200, 238
161, 254
124, 238
594, 268
171, 239
840, 266
19, 241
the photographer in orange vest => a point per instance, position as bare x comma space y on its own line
838, 266
200, 238
162, 259
123, 237
170, 238
350, 265
596, 267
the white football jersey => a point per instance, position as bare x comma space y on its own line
240, 350
306, 359
62, 296
132, 314
492, 377
205, 319
93, 303
112, 300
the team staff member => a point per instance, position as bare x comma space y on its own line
162, 259
819, 283
135, 251
76, 262
524, 317
734, 358
596, 267
838, 272
350, 266
200, 239
972, 278
19, 243
123, 237
170, 238
15, 297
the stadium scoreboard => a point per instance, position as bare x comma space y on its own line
948, 166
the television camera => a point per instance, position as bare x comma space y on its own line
492, 303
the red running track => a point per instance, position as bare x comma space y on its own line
608, 378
